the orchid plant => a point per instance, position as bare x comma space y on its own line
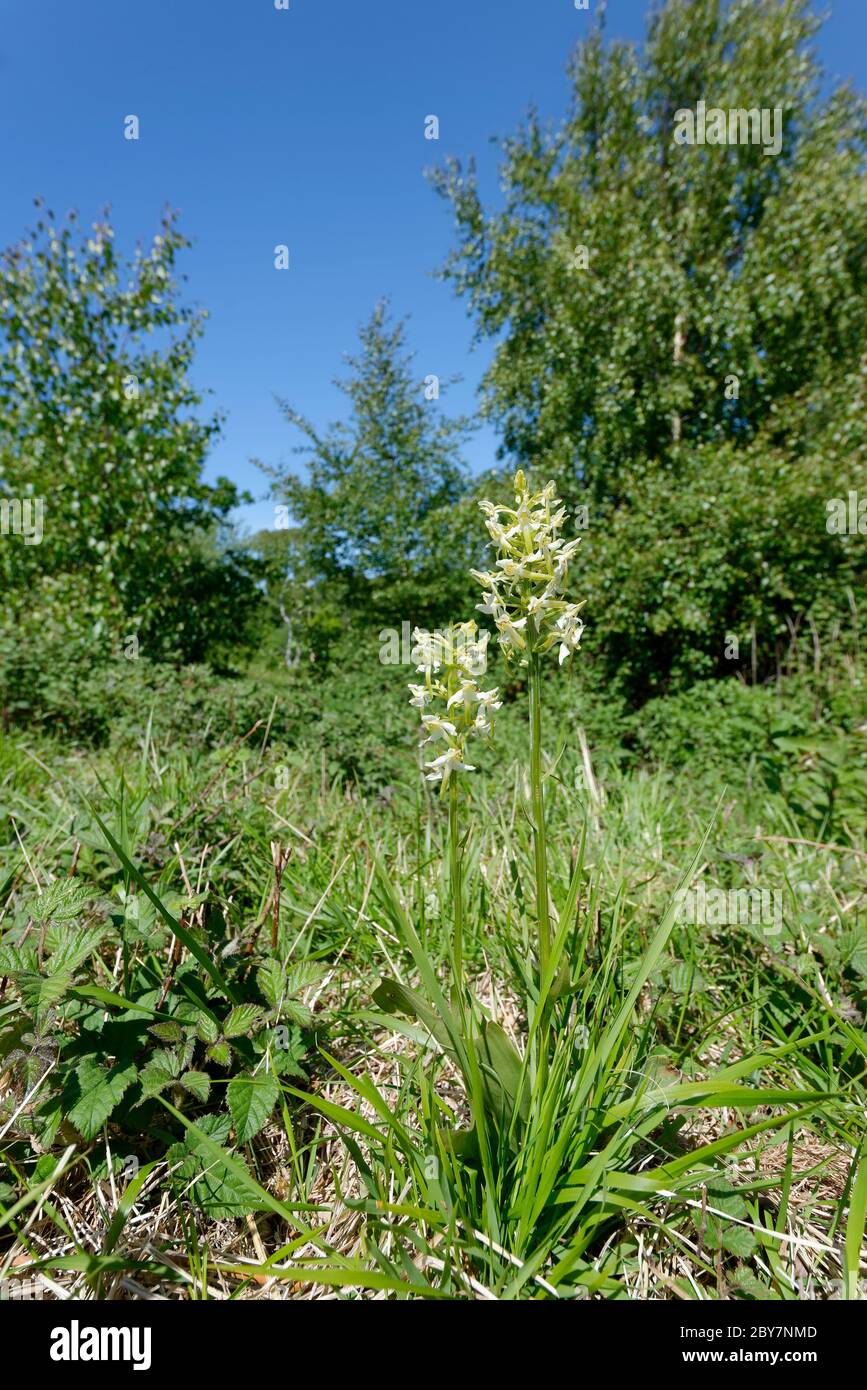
524, 596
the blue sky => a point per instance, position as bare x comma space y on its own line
303, 127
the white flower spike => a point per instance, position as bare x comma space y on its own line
453, 707
523, 594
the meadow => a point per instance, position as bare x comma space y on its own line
207, 1098
446, 893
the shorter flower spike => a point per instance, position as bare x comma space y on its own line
453, 707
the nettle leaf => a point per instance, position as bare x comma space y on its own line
302, 975
15, 957
207, 1029
725, 1197
198, 1083
242, 1018
69, 949
211, 1185
296, 1012
156, 1076
99, 1090
62, 901
42, 992
738, 1240
251, 1100
271, 979
168, 1032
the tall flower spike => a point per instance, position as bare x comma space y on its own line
453, 708
523, 593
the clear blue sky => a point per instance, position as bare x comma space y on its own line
302, 127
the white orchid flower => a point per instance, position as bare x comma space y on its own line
447, 763
465, 695
438, 728
570, 629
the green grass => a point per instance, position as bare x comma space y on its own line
699, 1132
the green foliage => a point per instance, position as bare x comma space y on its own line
710, 567
100, 422
700, 384
214, 1185
375, 511
624, 1131
85, 1057
822, 775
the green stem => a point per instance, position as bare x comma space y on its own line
456, 869
540, 846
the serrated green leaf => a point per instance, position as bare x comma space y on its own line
42, 992
69, 948
15, 957
62, 901
207, 1029
725, 1197
739, 1241
167, 1032
271, 980
181, 932
198, 1083
251, 1100
745, 1280
221, 1053
156, 1076
296, 1012
211, 1184
302, 975
241, 1019
95, 1092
